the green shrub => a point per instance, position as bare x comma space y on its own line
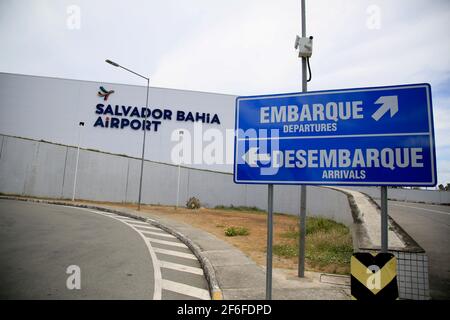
193, 203
236, 231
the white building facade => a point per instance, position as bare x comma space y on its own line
51, 109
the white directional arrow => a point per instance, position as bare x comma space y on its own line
252, 156
388, 103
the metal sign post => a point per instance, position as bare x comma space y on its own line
302, 231
269, 243
302, 217
384, 219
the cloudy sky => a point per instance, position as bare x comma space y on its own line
239, 47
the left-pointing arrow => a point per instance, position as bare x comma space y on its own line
388, 103
251, 157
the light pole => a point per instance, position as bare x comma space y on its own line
145, 124
81, 124
181, 132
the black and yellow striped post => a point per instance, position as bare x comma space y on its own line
374, 276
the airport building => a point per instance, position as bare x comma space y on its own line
40, 129
51, 109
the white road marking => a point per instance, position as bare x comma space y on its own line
160, 234
148, 227
89, 210
169, 243
175, 253
135, 222
180, 267
125, 218
160, 283
157, 286
420, 208
156, 268
185, 289
101, 212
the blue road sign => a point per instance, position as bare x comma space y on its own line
365, 136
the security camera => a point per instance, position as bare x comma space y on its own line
304, 46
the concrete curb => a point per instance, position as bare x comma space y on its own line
359, 232
361, 240
210, 274
411, 244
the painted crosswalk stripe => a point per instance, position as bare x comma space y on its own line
180, 267
126, 219
104, 213
160, 234
175, 253
149, 227
169, 243
137, 223
185, 289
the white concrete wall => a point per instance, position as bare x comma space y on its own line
425, 196
33, 168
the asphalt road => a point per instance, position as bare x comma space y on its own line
116, 256
429, 226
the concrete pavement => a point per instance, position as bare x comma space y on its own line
38, 242
119, 257
238, 277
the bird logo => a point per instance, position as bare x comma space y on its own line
104, 93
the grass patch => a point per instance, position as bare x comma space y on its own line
314, 225
319, 224
236, 231
325, 249
292, 233
329, 245
285, 250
